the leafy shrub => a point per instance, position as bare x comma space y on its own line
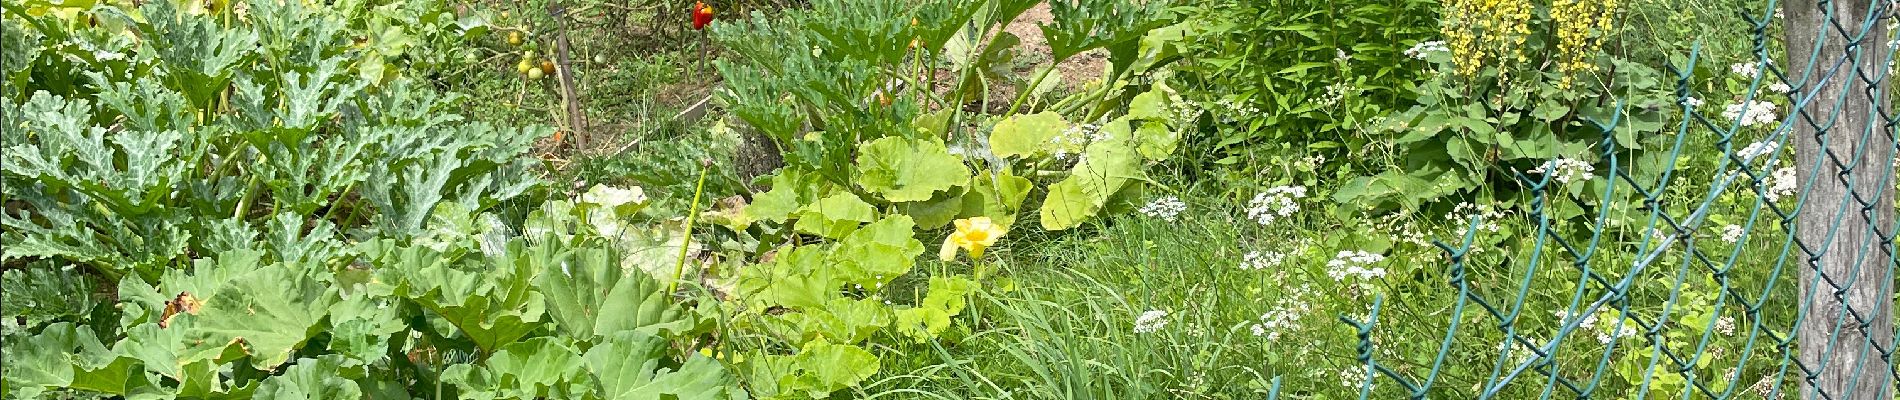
1298, 78
230, 207
829, 110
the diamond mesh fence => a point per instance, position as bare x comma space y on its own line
1788, 251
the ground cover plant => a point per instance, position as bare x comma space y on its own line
926, 199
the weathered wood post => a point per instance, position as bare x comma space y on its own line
1844, 150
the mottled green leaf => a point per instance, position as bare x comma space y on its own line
590, 297
628, 367
1026, 135
835, 216
902, 169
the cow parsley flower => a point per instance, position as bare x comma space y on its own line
1628, 329
1767, 387
1567, 170
1275, 203
1425, 49
1780, 184
1746, 70
1588, 322
1780, 87
1355, 263
1150, 321
1259, 260
1336, 92
1354, 378
1232, 111
1285, 314
1165, 208
1732, 233
1488, 216
1725, 326
1692, 101
1758, 149
1751, 113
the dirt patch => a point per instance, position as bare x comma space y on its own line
1074, 71
1031, 55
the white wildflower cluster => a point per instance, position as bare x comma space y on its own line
1692, 101
1725, 326
1231, 111
1751, 113
1076, 138
1589, 322
1185, 112
1488, 216
1567, 170
1425, 49
1747, 70
1310, 163
1285, 314
1733, 233
1780, 184
1522, 352
1259, 260
1275, 203
1654, 233
1766, 387
1150, 321
1166, 208
1758, 149
1355, 263
1353, 377
1335, 93
1780, 87
1628, 329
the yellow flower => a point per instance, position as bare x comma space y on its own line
973, 234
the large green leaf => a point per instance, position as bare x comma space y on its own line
491, 301
628, 367
270, 312
932, 316
39, 362
877, 253
844, 320
543, 367
1109, 165
1026, 135
797, 277
318, 378
996, 195
824, 367
790, 190
590, 296
902, 169
835, 216
362, 327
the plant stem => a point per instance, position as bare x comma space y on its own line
692, 215
1024, 96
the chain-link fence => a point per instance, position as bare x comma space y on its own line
1798, 276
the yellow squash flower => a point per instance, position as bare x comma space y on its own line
973, 234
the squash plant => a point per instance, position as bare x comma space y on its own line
841, 88
878, 150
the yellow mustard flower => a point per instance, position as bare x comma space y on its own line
973, 234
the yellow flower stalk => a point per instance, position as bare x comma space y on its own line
973, 234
